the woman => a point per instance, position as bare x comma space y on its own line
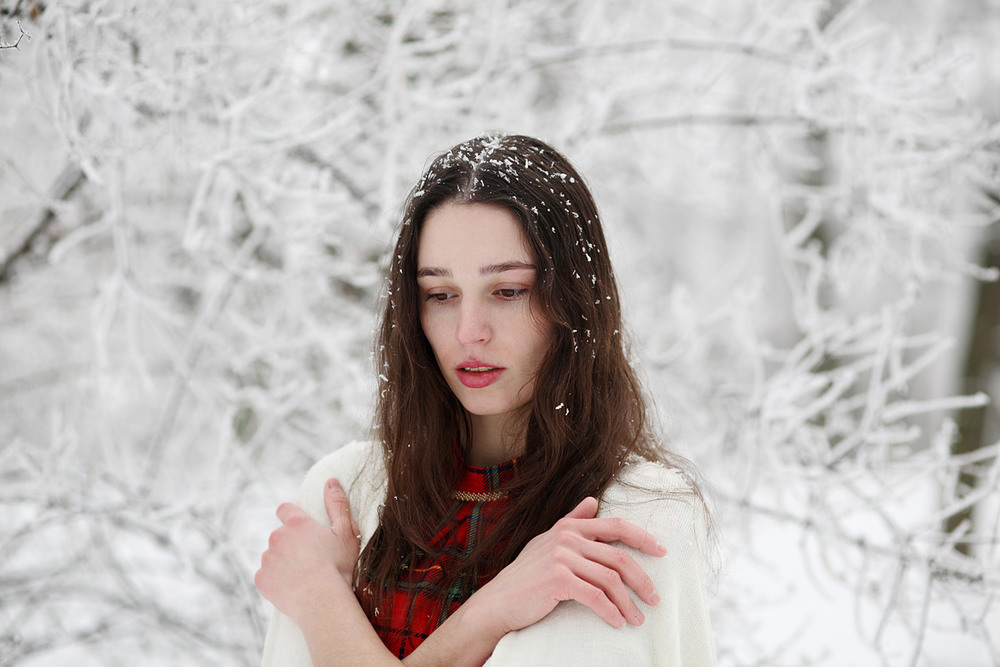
506, 408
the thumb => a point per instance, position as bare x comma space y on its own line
337, 505
585, 509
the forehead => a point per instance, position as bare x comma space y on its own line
461, 234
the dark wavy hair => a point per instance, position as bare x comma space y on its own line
588, 413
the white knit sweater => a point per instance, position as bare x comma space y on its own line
676, 632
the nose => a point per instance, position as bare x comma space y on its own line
473, 323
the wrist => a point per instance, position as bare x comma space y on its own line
480, 625
336, 629
327, 595
466, 639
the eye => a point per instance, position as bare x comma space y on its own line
439, 297
511, 292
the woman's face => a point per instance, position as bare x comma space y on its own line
475, 274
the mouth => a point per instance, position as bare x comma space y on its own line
477, 375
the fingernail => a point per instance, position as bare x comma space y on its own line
639, 618
333, 483
662, 549
655, 598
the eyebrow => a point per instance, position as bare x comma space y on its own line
489, 269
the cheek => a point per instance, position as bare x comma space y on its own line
431, 327
541, 340
427, 327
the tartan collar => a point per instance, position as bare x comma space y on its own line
485, 484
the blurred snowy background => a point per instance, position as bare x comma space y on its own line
802, 199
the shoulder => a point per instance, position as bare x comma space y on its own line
653, 476
658, 498
359, 468
677, 632
665, 502
346, 464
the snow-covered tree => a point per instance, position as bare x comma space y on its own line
195, 202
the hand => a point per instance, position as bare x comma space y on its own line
304, 556
573, 560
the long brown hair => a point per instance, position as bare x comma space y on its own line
587, 415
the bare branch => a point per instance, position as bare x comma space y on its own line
15, 45
65, 185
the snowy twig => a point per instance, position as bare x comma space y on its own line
905, 557
15, 45
674, 43
195, 346
722, 118
309, 156
71, 178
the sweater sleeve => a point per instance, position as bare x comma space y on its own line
357, 466
676, 631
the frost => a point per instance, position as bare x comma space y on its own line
196, 209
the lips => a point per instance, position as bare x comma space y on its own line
477, 374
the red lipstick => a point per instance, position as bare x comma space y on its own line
476, 374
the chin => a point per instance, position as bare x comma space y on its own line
480, 410
484, 409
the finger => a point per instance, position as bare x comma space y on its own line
286, 511
596, 599
610, 582
337, 506
585, 509
615, 529
627, 571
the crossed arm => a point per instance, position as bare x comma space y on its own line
306, 573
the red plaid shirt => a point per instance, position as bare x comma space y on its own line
477, 506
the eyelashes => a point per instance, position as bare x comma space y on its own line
512, 293
504, 294
439, 297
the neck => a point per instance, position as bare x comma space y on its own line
495, 439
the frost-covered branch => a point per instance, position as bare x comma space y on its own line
17, 43
67, 183
658, 46
737, 119
794, 194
